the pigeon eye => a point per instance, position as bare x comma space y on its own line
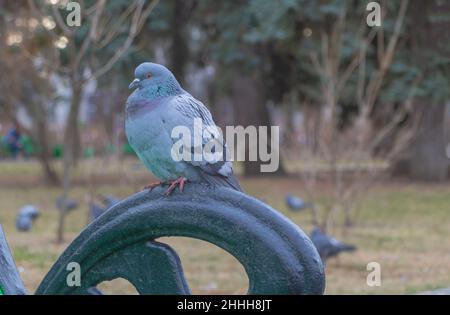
149, 75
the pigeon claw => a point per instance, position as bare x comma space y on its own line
180, 181
153, 185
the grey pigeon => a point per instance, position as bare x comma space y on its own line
29, 211
294, 203
328, 246
25, 217
23, 224
95, 211
110, 201
157, 106
70, 204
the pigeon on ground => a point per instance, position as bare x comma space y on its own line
25, 218
23, 224
328, 246
110, 201
158, 105
95, 211
29, 211
70, 204
294, 203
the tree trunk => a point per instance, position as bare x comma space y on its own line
67, 166
72, 133
250, 110
40, 137
427, 158
71, 141
51, 177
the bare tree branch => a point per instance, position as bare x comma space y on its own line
113, 29
99, 8
377, 79
59, 20
138, 16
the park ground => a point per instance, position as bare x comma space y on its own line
403, 226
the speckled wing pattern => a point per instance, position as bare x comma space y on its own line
191, 109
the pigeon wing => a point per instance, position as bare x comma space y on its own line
216, 163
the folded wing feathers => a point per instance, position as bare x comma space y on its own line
191, 108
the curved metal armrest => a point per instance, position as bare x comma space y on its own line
277, 256
10, 282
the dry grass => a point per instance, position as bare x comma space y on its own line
404, 227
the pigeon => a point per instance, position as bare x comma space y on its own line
110, 201
95, 211
23, 224
70, 204
29, 211
328, 246
294, 203
25, 217
156, 107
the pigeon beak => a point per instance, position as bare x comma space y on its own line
136, 83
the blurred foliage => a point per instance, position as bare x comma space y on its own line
273, 38
277, 38
257, 34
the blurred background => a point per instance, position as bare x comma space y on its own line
364, 116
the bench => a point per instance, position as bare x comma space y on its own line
122, 243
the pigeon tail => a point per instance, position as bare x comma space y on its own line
230, 181
347, 248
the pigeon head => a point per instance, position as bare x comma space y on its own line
155, 79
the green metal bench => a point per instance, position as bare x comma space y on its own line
277, 256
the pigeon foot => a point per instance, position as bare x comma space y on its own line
154, 184
180, 181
